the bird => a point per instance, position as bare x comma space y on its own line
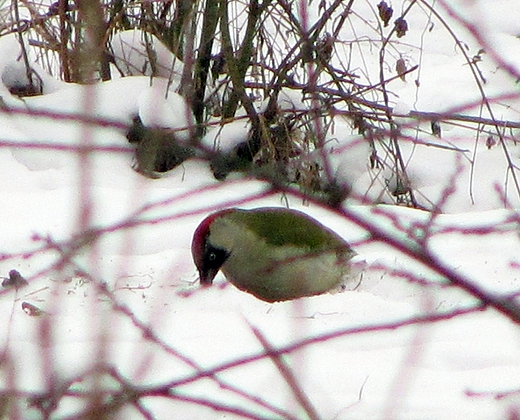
273, 253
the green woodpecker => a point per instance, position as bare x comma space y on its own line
274, 253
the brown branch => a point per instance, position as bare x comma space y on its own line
322, 338
287, 374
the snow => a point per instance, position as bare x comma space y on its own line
131, 298
132, 57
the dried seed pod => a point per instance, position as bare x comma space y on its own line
31, 309
436, 128
490, 142
385, 12
400, 68
401, 26
15, 280
325, 47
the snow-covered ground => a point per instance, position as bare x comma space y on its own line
128, 295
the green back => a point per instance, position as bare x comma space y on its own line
279, 226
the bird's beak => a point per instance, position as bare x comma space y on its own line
206, 277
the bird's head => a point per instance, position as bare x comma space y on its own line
208, 257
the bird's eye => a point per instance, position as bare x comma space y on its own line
215, 257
